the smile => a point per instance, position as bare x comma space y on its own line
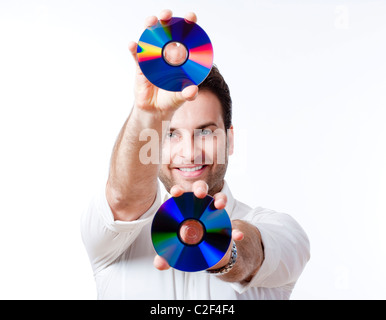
191, 172
191, 169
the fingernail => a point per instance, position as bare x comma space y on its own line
220, 202
201, 190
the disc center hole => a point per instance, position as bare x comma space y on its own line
175, 53
191, 231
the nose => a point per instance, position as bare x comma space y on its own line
189, 150
186, 150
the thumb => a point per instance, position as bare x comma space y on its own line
160, 263
187, 94
190, 93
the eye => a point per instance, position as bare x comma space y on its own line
173, 134
206, 132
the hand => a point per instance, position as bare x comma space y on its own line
200, 190
149, 97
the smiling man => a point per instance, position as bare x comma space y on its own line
194, 131
198, 143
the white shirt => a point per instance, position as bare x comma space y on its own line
121, 255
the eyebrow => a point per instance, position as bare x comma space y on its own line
203, 126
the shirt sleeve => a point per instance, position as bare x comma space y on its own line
286, 250
106, 239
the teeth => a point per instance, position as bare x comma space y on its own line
191, 169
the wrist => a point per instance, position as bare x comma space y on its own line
227, 267
149, 118
153, 112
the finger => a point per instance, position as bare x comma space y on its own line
150, 21
160, 263
237, 235
176, 191
190, 93
191, 17
166, 15
179, 98
200, 189
133, 49
220, 200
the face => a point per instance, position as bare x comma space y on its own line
197, 145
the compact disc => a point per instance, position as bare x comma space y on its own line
190, 233
175, 54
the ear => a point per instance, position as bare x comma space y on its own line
231, 140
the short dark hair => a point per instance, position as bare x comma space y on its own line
216, 84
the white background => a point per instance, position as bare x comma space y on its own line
308, 81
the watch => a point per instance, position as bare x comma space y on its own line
225, 269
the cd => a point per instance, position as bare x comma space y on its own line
175, 54
190, 233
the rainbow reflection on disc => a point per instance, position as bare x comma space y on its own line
191, 71
199, 254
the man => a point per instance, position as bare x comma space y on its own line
272, 249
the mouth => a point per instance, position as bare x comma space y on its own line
191, 171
